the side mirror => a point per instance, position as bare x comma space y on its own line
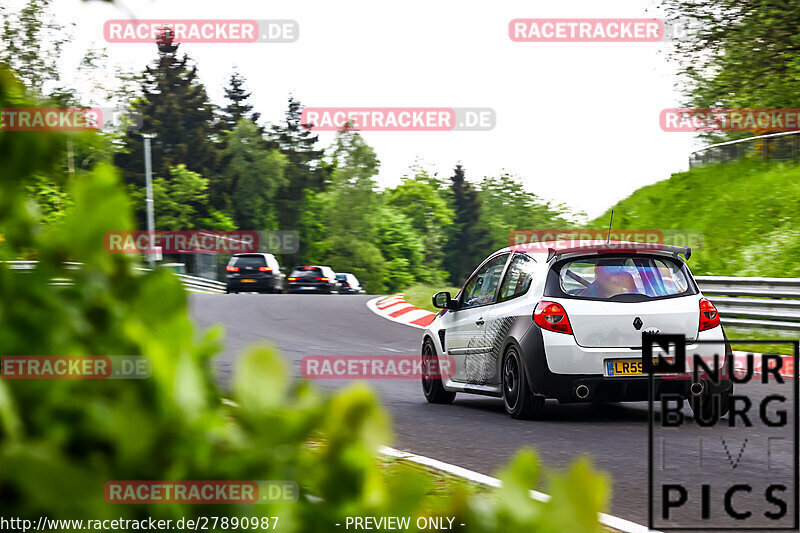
442, 300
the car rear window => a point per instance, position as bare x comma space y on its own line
608, 277
306, 271
249, 260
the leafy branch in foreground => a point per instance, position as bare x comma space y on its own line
62, 440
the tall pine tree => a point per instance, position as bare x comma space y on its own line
305, 169
174, 106
257, 143
467, 241
237, 107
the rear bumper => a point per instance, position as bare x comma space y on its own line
564, 387
312, 287
349, 290
565, 356
260, 284
556, 367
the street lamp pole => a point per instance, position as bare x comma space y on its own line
148, 171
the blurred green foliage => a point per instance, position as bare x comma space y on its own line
738, 53
62, 440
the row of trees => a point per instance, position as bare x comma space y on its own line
218, 167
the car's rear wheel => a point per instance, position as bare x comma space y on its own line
519, 400
432, 387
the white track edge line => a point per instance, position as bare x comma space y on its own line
626, 526
614, 522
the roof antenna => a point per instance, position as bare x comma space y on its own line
608, 240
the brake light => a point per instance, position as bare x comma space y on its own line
264, 269
232, 269
552, 316
321, 279
292, 279
709, 317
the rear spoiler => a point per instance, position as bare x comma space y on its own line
620, 247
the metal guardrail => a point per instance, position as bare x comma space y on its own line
753, 302
192, 283
769, 303
783, 146
196, 284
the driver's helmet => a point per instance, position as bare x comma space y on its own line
609, 265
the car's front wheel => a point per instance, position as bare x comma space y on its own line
432, 387
519, 400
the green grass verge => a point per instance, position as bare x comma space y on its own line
741, 334
420, 295
440, 485
747, 212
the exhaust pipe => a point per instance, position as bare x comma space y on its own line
582, 391
696, 389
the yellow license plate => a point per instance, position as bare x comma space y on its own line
624, 367
248, 281
627, 367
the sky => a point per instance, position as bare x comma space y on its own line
576, 122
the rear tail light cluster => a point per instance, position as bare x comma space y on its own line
264, 269
552, 316
709, 317
321, 279
292, 279
232, 269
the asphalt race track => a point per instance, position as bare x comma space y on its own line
475, 432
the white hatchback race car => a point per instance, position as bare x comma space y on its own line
565, 321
